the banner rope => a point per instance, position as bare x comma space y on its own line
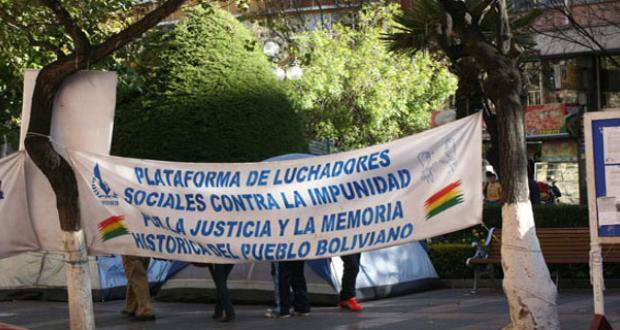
49, 138
39, 135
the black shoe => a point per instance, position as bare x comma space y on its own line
227, 318
128, 313
143, 318
217, 316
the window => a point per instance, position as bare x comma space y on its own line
610, 82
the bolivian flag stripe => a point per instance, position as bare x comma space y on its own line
111, 227
444, 199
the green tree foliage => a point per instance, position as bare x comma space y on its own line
30, 38
355, 93
207, 94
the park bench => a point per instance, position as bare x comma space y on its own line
558, 245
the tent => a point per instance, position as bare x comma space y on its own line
388, 272
383, 273
41, 275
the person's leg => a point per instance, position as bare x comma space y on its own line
223, 271
300, 289
136, 272
141, 288
284, 286
274, 311
218, 310
131, 303
349, 276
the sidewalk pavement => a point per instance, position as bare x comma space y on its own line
440, 309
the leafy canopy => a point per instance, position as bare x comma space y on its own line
27, 22
426, 27
355, 93
206, 93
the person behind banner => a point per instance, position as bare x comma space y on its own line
348, 300
224, 310
274, 311
137, 297
290, 275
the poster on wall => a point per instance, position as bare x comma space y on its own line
564, 150
548, 119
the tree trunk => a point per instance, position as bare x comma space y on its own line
527, 284
62, 179
55, 168
470, 99
78, 281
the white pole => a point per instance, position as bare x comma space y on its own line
78, 281
596, 277
596, 259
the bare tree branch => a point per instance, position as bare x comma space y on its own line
481, 10
584, 31
14, 23
504, 37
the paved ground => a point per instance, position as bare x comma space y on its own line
442, 309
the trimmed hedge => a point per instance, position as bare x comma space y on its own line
449, 259
545, 216
449, 252
205, 93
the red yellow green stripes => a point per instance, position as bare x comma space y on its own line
113, 226
444, 199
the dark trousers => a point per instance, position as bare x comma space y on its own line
219, 273
349, 275
291, 274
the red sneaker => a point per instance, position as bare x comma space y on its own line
351, 304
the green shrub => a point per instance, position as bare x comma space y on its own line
449, 259
205, 93
545, 216
449, 252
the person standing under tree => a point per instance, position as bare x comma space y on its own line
349, 277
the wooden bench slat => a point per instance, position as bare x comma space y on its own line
558, 245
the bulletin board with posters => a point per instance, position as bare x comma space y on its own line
602, 146
603, 163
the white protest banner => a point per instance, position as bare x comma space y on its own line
17, 234
416, 187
